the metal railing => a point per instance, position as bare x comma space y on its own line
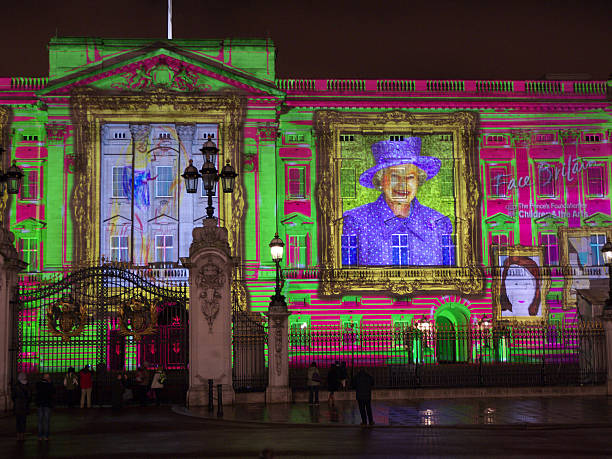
512, 354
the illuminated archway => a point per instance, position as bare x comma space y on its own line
452, 323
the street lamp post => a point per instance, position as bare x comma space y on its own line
606, 252
276, 250
209, 175
11, 179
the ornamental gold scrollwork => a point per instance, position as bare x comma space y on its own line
90, 108
467, 277
137, 318
66, 319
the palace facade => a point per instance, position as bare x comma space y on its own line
523, 176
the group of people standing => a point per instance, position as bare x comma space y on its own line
44, 395
337, 379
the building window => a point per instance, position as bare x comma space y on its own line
399, 249
163, 248
28, 251
295, 138
347, 138
592, 138
121, 182
119, 248
30, 185
551, 248
595, 181
396, 138
496, 139
119, 135
163, 182
298, 251
546, 180
597, 243
349, 250
448, 249
296, 182
498, 179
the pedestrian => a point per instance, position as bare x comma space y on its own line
333, 382
141, 385
314, 381
117, 390
86, 382
157, 385
21, 395
343, 375
363, 383
71, 385
44, 400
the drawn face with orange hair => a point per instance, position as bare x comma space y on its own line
520, 287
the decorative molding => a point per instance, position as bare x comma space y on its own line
56, 133
267, 133
66, 319
210, 280
138, 318
467, 277
186, 132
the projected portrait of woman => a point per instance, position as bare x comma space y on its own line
520, 287
396, 229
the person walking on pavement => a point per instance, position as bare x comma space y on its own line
314, 381
71, 385
21, 395
343, 375
141, 385
333, 382
86, 383
363, 383
157, 385
44, 400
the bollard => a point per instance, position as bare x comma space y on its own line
210, 395
219, 401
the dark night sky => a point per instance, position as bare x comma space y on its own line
342, 39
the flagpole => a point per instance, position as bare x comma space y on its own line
169, 19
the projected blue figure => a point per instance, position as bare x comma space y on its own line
141, 188
396, 229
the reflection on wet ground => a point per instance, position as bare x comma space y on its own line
470, 411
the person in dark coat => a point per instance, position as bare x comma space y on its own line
333, 382
44, 400
343, 375
21, 395
118, 388
363, 383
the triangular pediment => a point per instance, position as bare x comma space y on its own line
598, 219
29, 225
163, 219
499, 220
297, 220
162, 66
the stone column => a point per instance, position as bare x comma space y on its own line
210, 313
607, 322
278, 390
10, 266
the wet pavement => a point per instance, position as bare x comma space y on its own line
442, 412
526, 427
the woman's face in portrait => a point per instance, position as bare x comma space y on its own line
400, 183
521, 289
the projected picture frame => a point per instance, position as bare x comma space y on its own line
520, 284
460, 271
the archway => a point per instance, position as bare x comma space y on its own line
452, 323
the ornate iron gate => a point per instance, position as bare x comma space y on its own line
112, 317
250, 347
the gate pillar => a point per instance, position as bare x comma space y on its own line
607, 322
10, 266
278, 390
210, 313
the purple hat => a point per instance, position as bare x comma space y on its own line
389, 153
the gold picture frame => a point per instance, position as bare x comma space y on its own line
466, 276
535, 254
571, 272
